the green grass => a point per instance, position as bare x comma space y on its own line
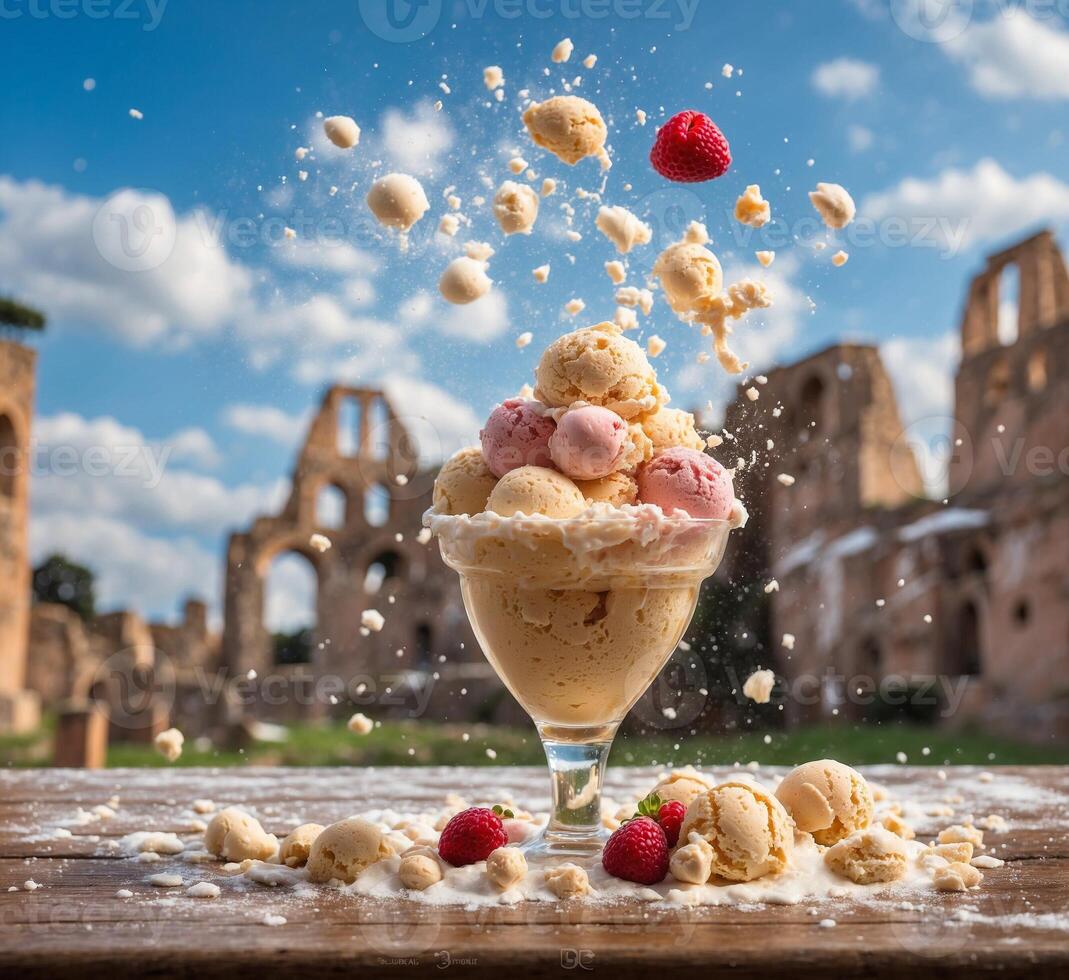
422, 743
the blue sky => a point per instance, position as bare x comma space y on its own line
952, 144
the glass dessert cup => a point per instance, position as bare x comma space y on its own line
578, 617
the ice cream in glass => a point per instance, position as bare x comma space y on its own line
582, 529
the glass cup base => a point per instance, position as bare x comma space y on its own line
556, 845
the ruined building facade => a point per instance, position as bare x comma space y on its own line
369, 557
18, 706
968, 597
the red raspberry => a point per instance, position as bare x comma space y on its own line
638, 851
670, 817
471, 835
690, 148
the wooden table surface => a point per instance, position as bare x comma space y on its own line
1017, 924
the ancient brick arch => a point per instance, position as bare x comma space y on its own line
1043, 298
382, 453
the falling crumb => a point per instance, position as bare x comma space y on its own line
319, 542
840, 258
640, 115
169, 744
753, 394
616, 271
449, 225
771, 587
928, 617
788, 641
302, 175
541, 274
713, 441
765, 258
372, 619
518, 165
573, 236
360, 724
524, 339
402, 481
563, 51
786, 479
424, 536
574, 307
758, 686
727, 71
136, 114
655, 346
590, 61
491, 754
289, 233
549, 186
493, 77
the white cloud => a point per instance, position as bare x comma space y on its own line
327, 255
480, 322
859, 138
970, 207
127, 265
438, 421
922, 371
290, 594
101, 467
152, 574
1014, 56
846, 78
268, 422
416, 142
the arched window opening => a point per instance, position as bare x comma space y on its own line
1022, 613
423, 645
976, 562
376, 505
378, 430
963, 646
1009, 291
1037, 370
870, 657
812, 405
349, 427
384, 569
10, 457
290, 608
330, 507
998, 382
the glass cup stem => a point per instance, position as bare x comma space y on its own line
577, 759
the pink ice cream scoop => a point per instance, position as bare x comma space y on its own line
685, 479
516, 434
588, 443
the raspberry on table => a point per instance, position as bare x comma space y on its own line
637, 852
471, 836
690, 148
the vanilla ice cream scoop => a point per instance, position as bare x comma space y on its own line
682, 785
670, 427
298, 843
345, 849
569, 127
616, 489
690, 275
516, 208
536, 490
397, 200
342, 131
464, 281
463, 484
238, 836
749, 831
827, 799
600, 366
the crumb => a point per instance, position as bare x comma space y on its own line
567, 881
840, 258
788, 641
372, 619
203, 889
169, 744
786, 479
563, 51
360, 724
616, 272
753, 394
541, 274
590, 61
752, 209
319, 542
165, 880
136, 114
549, 186
771, 587
758, 686
124, 893
765, 258
493, 77
655, 346
518, 165
524, 339
270, 919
